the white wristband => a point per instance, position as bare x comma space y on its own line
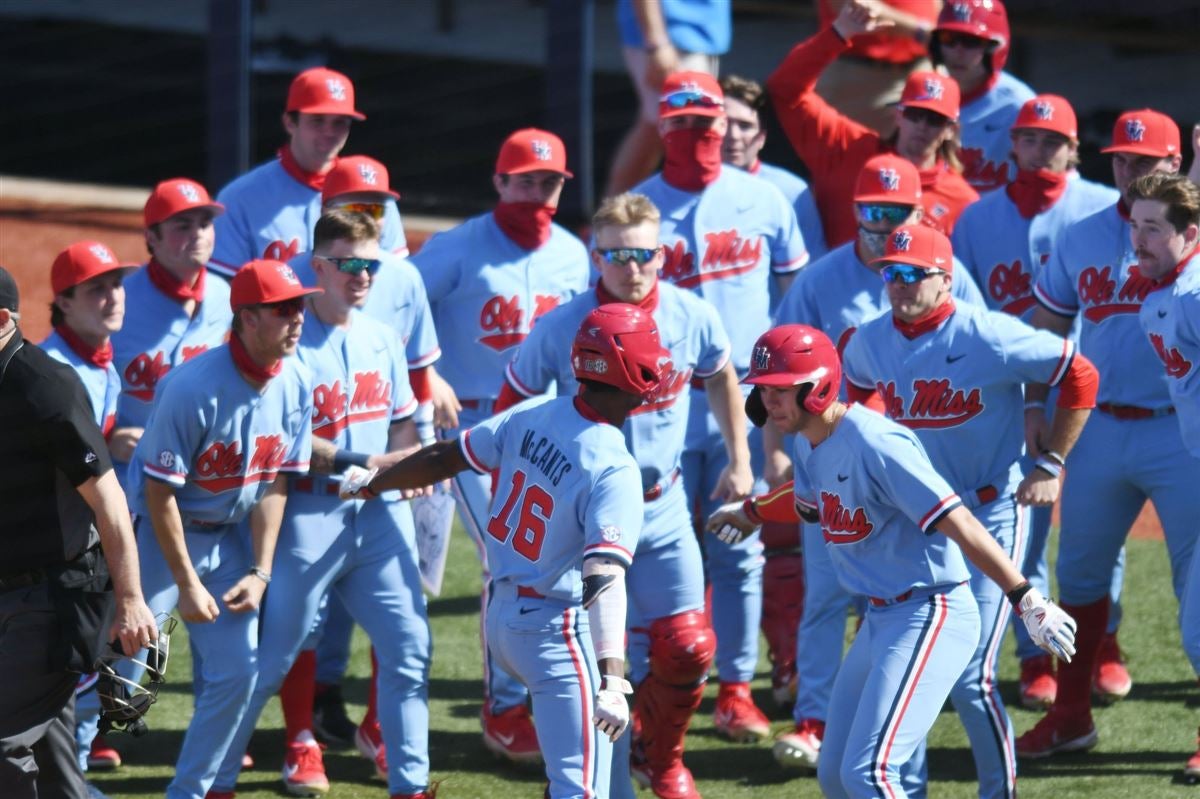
1048, 466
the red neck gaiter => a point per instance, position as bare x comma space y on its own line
980, 90
173, 287
99, 357
927, 323
1123, 209
247, 365
527, 224
648, 303
314, 180
693, 158
1035, 191
1173, 275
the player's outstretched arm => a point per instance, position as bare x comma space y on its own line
1048, 625
1037, 431
195, 603
605, 601
426, 466
265, 520
1076, 399
736, 480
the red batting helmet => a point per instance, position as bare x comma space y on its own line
798, 355
618, 344
986, 19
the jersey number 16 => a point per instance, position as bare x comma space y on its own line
536, 508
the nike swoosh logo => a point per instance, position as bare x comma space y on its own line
523, 611
1162, 314
843, 478
953, 358
506, 739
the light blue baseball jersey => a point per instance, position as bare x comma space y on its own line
271, 214
101, 384
693, 26
158, 336
219, 441
960, 388
1092, 274
839, 292
654, 433
486, 292
724, 243
878, 499
1005, 251
797, 191
985, 125
567, 490
397, 298
1171, 318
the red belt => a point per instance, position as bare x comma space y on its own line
698, 383
987, 494
473, 404
525, 592
879, 603
656, 491
308, 486
1133, 411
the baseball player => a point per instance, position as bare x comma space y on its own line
954, 375
225, 429
1131, 450
836, 294
88, 307
561, 537
834, 147
271, 210
726, 234
666, 582
365, 552
971, 41
488, 280
1164, 220
878, 501
1003, 240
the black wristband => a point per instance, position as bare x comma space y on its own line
344, 458
1015, 595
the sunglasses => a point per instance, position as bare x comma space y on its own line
923, 115
691, 98
353, 266
373, 210
907, 274
285, 309
965, 40
892, 214
623, 255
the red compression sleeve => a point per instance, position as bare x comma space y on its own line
1079, 385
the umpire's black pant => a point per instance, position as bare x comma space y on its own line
37, 706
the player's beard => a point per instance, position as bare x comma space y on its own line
692, 158
873, 243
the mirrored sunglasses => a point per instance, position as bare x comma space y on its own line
691, 98
623, 255
286, 308
373, 210
352, 266
892, 214
907, 274
955, 39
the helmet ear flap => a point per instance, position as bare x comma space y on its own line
756, 411
802, 396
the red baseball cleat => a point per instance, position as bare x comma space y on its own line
428, 793
102, 757
369, 739
737, 717
1192, 769
801, 747
1110, 679
304, 768
214, 794
1058, 732
511, 734
1039, 686
673, 781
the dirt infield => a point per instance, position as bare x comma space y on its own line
31, 234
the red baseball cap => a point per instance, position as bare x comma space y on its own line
175, 196
322, 91
691, 93
918, 245
83, 261
1048, 112
264, 281
1145, 132
356, 174
888, 178
532, 150
933, 91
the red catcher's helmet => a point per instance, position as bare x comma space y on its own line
986, 19
798, 355
618, 344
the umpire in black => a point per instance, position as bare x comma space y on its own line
59, 504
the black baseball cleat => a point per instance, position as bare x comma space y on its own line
331, 725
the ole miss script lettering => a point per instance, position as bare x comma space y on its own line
221, 466
1177, 365
505, 317
144, 371
333, 412
840, 524
1011, 287
935, 403
1101, 298
726, 254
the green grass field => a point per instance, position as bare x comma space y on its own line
1144, 740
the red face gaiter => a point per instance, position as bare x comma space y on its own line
528, 224
693, 158
1036, 190
248, 366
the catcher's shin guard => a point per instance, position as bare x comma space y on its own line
681, 650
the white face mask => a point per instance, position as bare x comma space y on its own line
874, 243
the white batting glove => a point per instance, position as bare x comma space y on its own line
612, 709
354, 483
1049, 626
730, 523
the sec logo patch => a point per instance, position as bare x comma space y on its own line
166, 459
610, 534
